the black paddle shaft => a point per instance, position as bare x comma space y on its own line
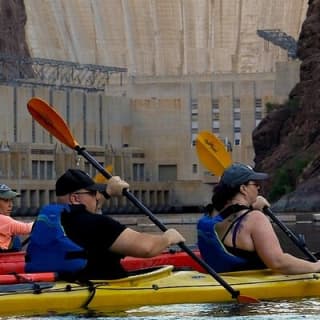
290, 234
182, 245
234, 293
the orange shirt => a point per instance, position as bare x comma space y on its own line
10, 227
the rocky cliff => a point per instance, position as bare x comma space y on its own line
287, 141
12, 26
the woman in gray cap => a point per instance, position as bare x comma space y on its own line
10, 229
241, 237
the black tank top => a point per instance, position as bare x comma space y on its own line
253, 258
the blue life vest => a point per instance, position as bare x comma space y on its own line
14, 246
49, 249
212, 249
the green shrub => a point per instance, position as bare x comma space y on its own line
293, 104
286, 177
271, 106
281, 184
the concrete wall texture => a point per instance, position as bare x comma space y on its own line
163, 37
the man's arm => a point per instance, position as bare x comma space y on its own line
144, 245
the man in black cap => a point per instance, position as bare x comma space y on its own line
76, 182
104, 240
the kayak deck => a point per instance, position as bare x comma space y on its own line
159, 287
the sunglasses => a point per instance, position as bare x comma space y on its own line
253, 184
89, 192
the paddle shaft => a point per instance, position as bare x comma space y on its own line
290, 234
158, 223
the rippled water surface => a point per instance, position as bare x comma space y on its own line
271, 310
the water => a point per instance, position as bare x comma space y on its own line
308, 308
291, 310
265, 310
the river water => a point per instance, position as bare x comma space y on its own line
269, 310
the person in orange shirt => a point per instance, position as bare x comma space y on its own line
10, 229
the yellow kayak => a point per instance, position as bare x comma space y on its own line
158, 287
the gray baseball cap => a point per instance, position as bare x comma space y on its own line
7, 193
238, 174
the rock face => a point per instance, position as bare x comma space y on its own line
12, 26
287, 142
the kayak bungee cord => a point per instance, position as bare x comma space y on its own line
92, 291
48, 117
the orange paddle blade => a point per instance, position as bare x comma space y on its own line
212, 153
100, 178
247, 299
49, 118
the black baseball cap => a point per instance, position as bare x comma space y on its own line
75, 179
238, 174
